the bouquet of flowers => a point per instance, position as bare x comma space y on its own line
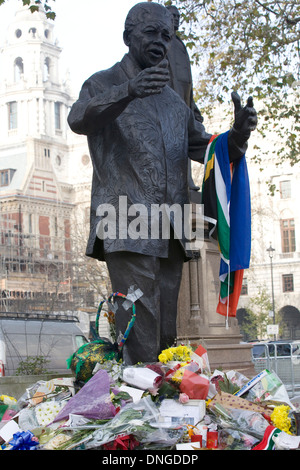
179, 353
188, 379
47, 411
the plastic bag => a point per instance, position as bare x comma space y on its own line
27, 419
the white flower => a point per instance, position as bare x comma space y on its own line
136, 422
47, 411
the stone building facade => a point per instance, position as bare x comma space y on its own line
45, 175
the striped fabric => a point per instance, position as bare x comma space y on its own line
268, 440
227, 209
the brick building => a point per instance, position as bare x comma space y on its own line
45, 176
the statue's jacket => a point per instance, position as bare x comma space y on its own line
139, 148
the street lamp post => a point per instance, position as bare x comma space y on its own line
271, 250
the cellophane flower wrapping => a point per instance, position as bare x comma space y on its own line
140, 420
266, 387
196, 386
93, 400
200, 356
142, 377
246, 421
233, 439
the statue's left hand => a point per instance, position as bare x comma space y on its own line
245, 119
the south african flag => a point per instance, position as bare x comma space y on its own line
227, 209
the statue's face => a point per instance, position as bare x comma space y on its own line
176, 16
149, 41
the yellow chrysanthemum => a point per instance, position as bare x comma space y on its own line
178, 375
8, 400
178, 353
280, 418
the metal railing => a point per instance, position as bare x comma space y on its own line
284, 360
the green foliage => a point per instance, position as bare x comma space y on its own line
248, 326
253, 47
50, 14
33, 365
258, 313
227, 386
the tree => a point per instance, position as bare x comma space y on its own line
252, 46
258, 312
247, 321
34, 6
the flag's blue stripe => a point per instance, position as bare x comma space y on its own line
238, 194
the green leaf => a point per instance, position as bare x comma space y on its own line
227, 386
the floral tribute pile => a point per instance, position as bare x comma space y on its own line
177, 403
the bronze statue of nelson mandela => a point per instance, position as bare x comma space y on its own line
140, 135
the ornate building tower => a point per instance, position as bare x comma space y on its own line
36, 195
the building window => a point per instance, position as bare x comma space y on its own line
288, 283
46, 69
85, 159
288, 240
30, 223
12, 115
6, 177
55, 227
32, 32
285, 189
47, 153
18, 69
244, 290
57, 112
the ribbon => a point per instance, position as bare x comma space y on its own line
134, 295
127, 442
24, 440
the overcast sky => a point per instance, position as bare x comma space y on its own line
89, 31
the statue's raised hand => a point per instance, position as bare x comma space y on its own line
149, 81
245, 118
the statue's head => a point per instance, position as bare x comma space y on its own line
176, 15
148, 32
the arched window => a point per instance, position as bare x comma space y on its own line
18, 69
46, 69
32, 32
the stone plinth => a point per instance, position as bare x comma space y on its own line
199, 323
